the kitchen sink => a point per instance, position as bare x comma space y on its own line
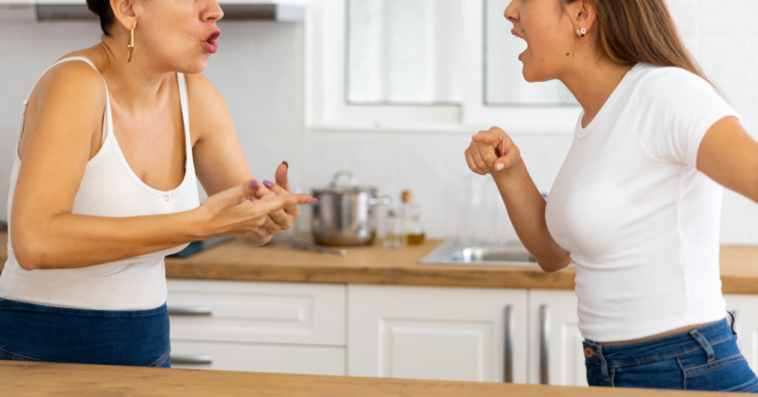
480, 253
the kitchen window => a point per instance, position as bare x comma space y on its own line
425, 65
404, 52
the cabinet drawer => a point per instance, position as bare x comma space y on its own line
312, 360
244, 311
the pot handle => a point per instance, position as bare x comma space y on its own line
353, 179
386, 200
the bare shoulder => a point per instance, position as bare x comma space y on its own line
208, 111
201, 90
71, 81
68, 102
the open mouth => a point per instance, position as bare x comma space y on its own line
210, 41
515, 33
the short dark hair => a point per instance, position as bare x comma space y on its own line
103, 9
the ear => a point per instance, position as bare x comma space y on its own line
582, 13
124, 12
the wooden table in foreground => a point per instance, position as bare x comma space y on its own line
376, 265
44, 379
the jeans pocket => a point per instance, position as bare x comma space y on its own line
727, 374
750, 386
658, 374
7, 355
161, 361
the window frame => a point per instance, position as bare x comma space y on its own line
327, 107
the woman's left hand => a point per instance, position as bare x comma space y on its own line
279, 220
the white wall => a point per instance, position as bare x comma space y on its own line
259, 71
723, 36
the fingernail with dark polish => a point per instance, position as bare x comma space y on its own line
286, 163
254, 185
268, 184
312, 201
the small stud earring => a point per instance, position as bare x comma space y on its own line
578, 33
584, 31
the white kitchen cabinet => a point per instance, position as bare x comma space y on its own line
556, 354
311, 360
244, 311
745, 310
257, 326
437, 333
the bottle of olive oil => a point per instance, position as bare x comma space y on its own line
414, 231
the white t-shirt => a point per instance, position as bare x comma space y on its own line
641, 223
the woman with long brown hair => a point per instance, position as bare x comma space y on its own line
637, 202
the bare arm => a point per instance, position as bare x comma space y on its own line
493, 152
220, 161
45, 232
729, 156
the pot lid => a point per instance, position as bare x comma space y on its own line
351, 187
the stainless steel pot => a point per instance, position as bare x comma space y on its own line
344, 213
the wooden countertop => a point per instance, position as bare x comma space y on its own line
45, 379
376, 265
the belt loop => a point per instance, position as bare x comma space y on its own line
731, 325
704, 343
604, 367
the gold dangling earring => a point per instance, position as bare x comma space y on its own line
130, 45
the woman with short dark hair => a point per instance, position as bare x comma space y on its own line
637, 202
103, 187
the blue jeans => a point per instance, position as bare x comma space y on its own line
704, 358
30, 332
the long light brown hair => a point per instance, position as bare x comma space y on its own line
631, 31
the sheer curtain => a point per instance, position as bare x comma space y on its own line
404, 52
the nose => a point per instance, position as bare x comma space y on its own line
213, 12
511, 12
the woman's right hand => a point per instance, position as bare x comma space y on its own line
492, 152
232, 212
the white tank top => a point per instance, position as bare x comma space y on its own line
109, 188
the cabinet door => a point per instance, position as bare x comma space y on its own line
437, 333
311, 360
556, 354
745, 310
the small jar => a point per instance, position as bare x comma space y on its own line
396, 237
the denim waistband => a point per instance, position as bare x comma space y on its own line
11, 305
659, 348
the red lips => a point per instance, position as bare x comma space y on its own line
210, 41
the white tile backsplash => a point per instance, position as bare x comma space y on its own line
417, 160
259, 72
265, 152
453, 158
323, 155
685, 14
371, 158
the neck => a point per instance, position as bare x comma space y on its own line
592, 82
136, 85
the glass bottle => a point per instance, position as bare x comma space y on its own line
414, 230
395, 237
